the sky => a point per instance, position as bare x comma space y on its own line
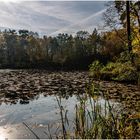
52, 17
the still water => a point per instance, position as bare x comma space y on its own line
38, 114
29, 102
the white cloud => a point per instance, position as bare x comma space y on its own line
51, 17
89, 23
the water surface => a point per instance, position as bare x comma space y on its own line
37, 114
29, 98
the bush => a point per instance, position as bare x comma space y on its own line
95, 69
126, 72
137, 62
117, 71
124, 57
108, 71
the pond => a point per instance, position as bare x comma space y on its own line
29, 101
38, 114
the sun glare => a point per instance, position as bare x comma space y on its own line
2, 138
7, 1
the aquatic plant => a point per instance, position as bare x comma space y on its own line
100, 122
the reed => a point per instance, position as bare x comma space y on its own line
99, 122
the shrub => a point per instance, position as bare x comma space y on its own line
110, 66
107, 72
124, 57
125, 72
95, 69
115, 71
137, 62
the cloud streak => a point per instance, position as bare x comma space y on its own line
85, 24
51, 17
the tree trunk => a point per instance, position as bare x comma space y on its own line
129, 31
128, 26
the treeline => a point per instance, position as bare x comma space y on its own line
25, 49
124, 15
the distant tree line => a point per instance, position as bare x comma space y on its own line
25, 49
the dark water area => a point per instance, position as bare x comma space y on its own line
28, 100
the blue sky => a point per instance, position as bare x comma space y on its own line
52, 17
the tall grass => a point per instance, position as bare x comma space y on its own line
99, 122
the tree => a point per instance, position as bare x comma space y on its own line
94, 40
113, 19
128, 26
127, 16
111, 45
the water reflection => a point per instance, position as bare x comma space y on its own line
31, 98
27, 98
25, 86
38, 115
38, 111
